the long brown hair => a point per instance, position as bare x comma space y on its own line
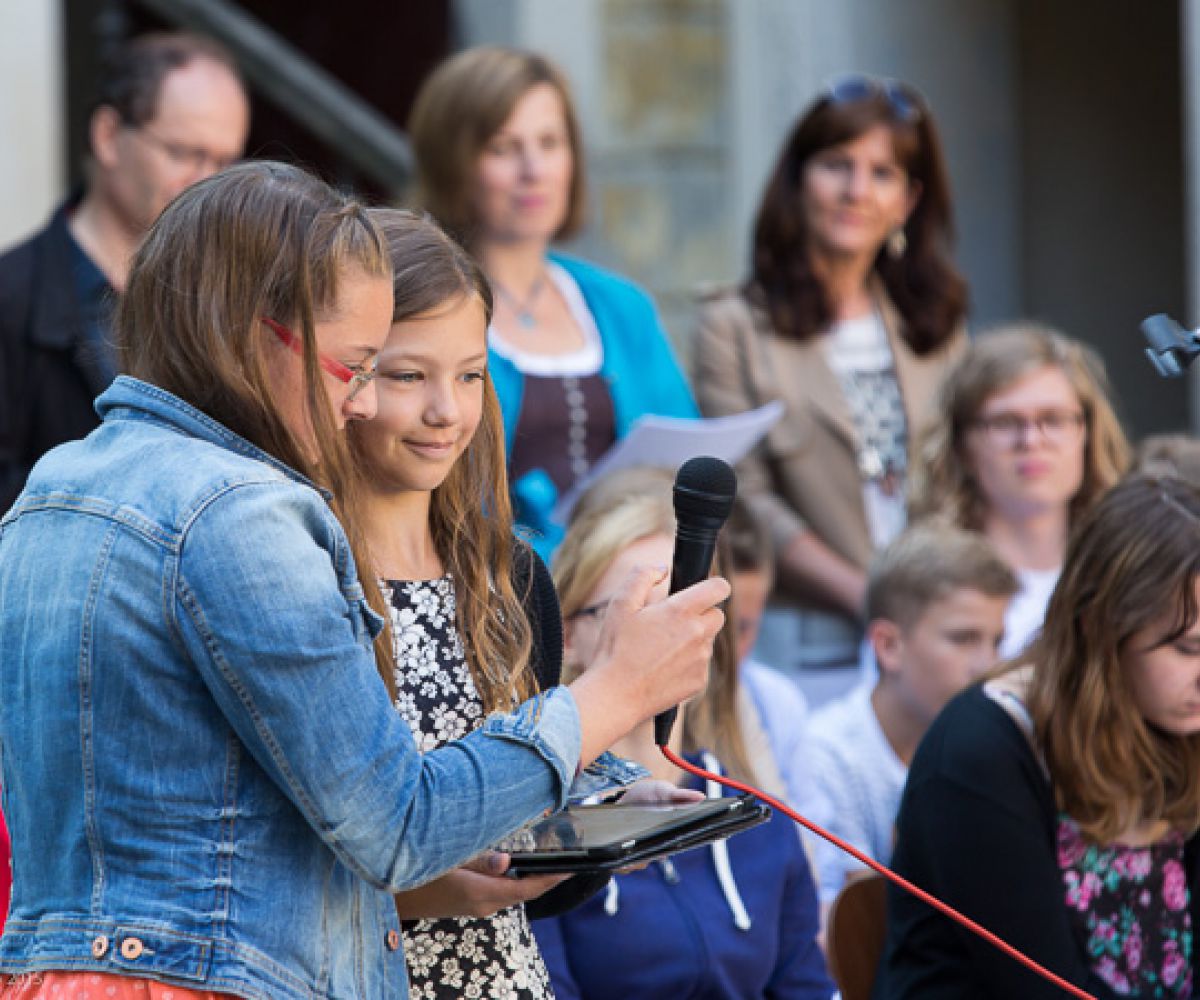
461, 105
941, 482
626, 507
923, 284
259, 239
1132, 563
470, 514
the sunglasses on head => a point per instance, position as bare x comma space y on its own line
905, 102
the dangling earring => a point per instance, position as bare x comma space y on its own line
897, 243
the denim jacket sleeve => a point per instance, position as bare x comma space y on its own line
606, 773
266, 603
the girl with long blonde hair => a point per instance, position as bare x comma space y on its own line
739, 918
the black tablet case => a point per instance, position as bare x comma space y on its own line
681, 828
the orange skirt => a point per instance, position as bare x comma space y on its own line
96, 986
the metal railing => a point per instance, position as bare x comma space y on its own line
298, 86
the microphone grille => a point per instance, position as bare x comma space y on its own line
704, 486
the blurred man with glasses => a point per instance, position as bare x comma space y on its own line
170, 111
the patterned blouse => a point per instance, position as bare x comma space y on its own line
489, 958
1130, 904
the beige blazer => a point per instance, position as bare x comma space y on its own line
804, 476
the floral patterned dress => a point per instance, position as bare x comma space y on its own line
488, 958
1130, 904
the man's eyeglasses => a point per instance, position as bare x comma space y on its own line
906, 104
1005, 430
356, 377
183, 155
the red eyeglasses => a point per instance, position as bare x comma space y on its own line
357, 377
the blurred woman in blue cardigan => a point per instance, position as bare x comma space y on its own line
576, 353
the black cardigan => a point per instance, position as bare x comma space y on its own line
535, 588
977, 829
533, 582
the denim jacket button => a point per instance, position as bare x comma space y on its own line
131, 949
393, 940
99, 946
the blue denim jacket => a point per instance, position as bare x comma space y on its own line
203, 776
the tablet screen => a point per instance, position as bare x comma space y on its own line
583, 829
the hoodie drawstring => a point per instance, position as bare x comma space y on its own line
611, 897
720, 852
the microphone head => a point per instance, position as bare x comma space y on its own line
704, 487
1172, 348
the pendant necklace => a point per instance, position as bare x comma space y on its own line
523, 309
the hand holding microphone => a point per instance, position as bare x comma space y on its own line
704, 491
654, 654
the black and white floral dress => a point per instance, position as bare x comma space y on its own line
488, 958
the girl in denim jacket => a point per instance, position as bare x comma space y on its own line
206, 783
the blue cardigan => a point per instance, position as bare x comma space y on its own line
671, 930
639, 367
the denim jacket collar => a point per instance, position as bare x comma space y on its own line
142, 399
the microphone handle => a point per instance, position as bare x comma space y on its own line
695, 546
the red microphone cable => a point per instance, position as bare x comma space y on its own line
886, 872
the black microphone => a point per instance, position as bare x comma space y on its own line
704, 492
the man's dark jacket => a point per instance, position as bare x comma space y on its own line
48, 374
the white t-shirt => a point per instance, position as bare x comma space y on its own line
859, 347
1027, 609
858, 344
783, 710
856, 782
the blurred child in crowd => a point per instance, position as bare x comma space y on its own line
936, 599
1169, 455
772, 702
780, 704
1023, 442
737, 918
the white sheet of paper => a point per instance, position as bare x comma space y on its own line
668, 442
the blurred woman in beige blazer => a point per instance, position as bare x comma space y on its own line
850, 315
